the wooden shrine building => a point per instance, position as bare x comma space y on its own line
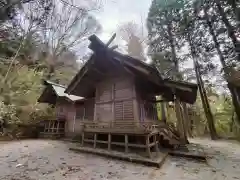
69, 111
124, 91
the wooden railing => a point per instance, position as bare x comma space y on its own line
121, 126
61, 116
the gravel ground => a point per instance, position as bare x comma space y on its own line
46, 159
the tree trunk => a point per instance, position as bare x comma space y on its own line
173, 50
205, 103
203, 94
235, 8
234, 100
230, 28
178, 77
222, 60
232, 122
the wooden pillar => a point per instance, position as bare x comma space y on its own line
82, 138
95, 140
156, 143
109, 141
179, 115
49, 125
95, 107
58, 127
126, 143
45, 127
113, 105
53, 126
148, 146
136, 112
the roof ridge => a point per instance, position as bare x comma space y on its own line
55, 84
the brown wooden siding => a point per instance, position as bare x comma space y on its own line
114, 99
147, 106
104, 112
77, 119
89, 109
66, 110
61, 108
104, 92
123, 89
80, 112
70, 124
85, 111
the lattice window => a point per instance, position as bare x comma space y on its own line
124, 111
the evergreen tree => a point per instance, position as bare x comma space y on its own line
163, 27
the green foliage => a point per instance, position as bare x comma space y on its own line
63, 75
182, 30
19, 97
8, 112
37, 39
165, 43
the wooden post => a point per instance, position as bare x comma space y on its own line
136, 112
126, 143
82, 138
53, 126
109, 141
45, 127
58, 127
113, 105
95, 106
95, 140
74, 121
156, 143
147, 146
179, 116
49, 125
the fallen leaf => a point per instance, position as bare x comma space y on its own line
19, 165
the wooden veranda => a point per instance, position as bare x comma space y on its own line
128, 136
53, 128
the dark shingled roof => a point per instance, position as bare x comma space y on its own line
53, 90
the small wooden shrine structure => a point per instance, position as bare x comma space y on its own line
65, 105
124, 90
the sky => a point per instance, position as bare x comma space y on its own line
114, 13
118, 12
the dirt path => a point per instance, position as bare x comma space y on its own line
45, 159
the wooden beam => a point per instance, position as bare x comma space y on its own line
113, 103
95, 106
126, 143
148, 146
129, 71
176, 86
109, 141
95, 140
78, 79
101, 73
137, 67
57, 126
82, 138
156, 143
111, 39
